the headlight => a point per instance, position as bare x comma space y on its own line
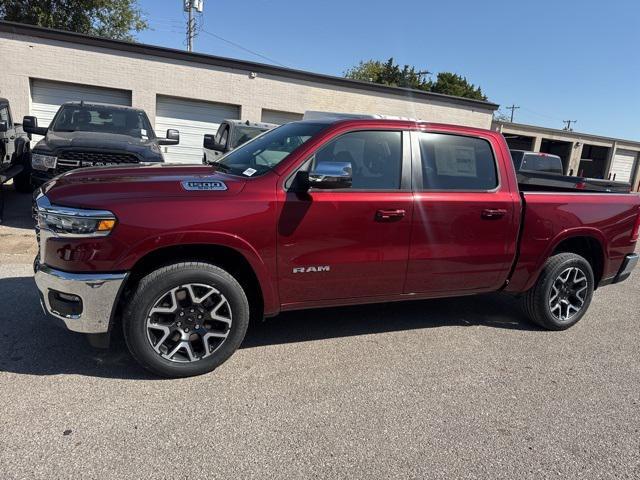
73, 222
43, 162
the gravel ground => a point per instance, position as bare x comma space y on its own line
462, 388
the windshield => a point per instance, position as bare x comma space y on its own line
244, 134
103, 119
266, 151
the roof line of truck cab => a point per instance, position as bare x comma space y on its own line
338, 125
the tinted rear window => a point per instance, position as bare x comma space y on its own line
542, 163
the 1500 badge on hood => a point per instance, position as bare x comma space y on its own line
203, 185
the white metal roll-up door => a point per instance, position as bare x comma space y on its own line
193, 118
623, 164
279, 117
47, 96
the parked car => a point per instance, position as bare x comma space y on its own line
14, 150
231, 134
544, 170
317, 214
84, 134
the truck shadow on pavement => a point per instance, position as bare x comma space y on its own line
31, 344
17, 208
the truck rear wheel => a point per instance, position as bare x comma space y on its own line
186, 319
563, 292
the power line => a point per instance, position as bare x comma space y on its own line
189, 7
568, 124
513, 108
243, 48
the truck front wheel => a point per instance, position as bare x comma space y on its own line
186, 319
563, 292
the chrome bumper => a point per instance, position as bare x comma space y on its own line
97, 293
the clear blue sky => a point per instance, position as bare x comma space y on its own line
557, 59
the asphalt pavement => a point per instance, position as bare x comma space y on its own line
462, 388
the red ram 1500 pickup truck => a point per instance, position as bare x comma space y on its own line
316, 214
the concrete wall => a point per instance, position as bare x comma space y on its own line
146, 76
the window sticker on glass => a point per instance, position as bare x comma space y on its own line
456, 160
249, 171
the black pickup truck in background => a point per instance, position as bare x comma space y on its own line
84, 134
543, 171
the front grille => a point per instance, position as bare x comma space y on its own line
66, 165
71, 159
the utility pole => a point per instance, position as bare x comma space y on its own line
568, 123
513, 108
189, 7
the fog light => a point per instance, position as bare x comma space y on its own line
65, 304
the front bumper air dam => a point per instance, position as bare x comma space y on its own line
88, 299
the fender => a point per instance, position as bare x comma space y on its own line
561, 237
260, 265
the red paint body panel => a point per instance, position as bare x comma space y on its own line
551, 218
440, 247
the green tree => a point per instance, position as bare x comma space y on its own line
454, 84
117, 19
390, 73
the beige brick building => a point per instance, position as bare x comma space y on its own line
193, 92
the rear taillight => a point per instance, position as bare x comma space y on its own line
581, 185
636, 230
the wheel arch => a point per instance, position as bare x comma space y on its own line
588, 247
588, 243
230, 259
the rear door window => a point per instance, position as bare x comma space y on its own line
456, 162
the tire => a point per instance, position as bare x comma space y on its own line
570, 277
22, 181
146, 321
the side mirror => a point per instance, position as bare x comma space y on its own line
209, 142
30, 125
330, 175
173, 138
4, 126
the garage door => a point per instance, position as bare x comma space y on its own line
280, 117
47, 96
623, 164
193, 118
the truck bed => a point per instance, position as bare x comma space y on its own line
547, 182
549, 218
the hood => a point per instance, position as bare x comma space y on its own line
95, 187
55, 141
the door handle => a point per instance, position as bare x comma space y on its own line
386, 215
493, 214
